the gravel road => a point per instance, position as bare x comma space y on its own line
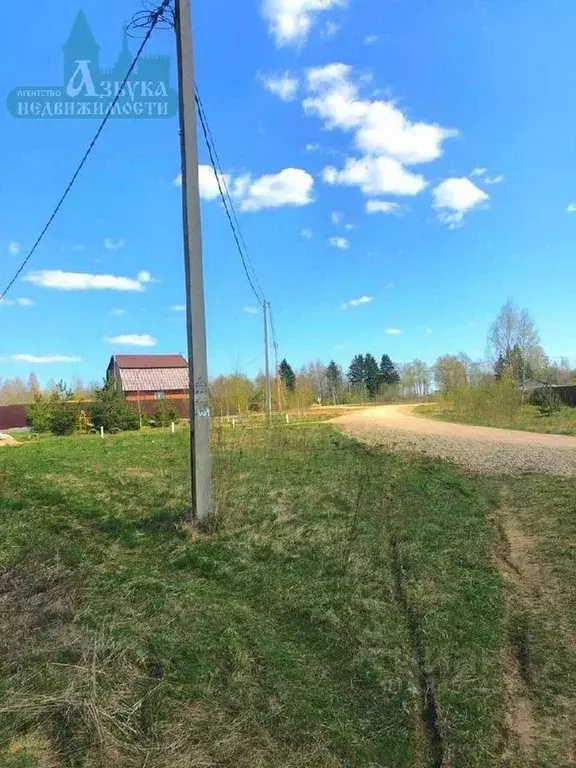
481, 449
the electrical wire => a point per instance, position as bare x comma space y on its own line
154, 17
229, 205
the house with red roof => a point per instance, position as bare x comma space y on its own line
146, 378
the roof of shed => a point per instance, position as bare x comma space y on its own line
154, 380
150, 361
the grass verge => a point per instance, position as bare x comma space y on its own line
528, 419
346, 611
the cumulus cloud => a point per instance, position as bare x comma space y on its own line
382, 206
454, 197
13, 248
370, 39
118, 312
571, 208
307, 234
380, 127
133, 340
353, 303
376, 176
482, 174
336, 217
339, 242
289, 187
80, 281
392, 331
285, 85
45, 359
113, 245
290, 21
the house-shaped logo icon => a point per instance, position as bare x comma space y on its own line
93, 91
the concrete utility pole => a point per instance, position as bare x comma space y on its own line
200, 461
265, 306
278, 382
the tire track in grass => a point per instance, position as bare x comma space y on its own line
429, 712
513, 563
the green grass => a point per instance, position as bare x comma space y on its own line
338, 588
528, 419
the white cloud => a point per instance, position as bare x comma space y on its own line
382, 206
307, 234
336, 217
353, 303
118, 312
79, 281
312, 147
45, 359
133, 340
14, 248
393, 331
370, 39
290, 21
208, 182
339, 242
376, 176
23, 302
79, 247
481, 173
330, 29
349, 227
113, 245
455, 197
380, 127
285, 86
178, 308
571, 208
291, 187
251, 310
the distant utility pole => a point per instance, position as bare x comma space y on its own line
195, 315
265, 307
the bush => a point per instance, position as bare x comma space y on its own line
53, 413
111, 411
547, 400
39, 414
495, 403
165, 413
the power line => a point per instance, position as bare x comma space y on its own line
154, 17
229, 205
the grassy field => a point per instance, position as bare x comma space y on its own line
350, 608
528, 419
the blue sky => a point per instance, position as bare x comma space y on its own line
453, 123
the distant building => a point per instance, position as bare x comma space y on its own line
148, 378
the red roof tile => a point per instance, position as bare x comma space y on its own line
150, 361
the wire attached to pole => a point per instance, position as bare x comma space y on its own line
153, 19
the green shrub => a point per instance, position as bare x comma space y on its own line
39, 414
547, 400
111, 411
165, 413
496, 403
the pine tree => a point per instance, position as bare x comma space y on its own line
372, 377
356, 372
388, 371
334, 380
287, 375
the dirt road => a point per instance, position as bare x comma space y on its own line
483, 449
